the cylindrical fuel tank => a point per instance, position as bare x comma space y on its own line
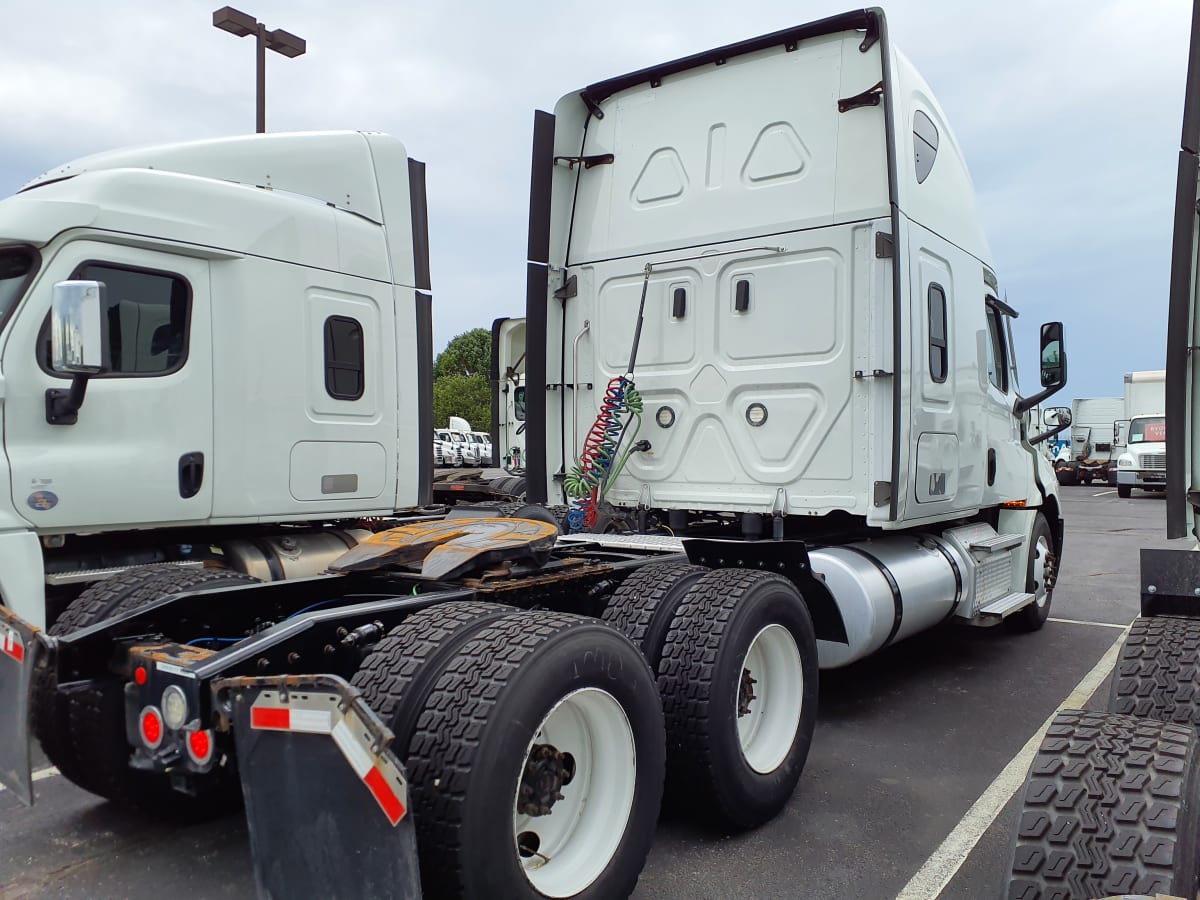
293, 555
886, 589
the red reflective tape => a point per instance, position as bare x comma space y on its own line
12, 647
279, 719
458, 487
384, 795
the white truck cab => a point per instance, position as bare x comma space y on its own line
761, 299
1143, 463
260, 294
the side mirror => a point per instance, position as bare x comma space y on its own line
1054, 367
78, 328
1120, 430
78, 345
1054, 359
1057, 415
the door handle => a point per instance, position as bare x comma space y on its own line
191, 474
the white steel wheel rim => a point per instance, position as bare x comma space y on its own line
580, 835
767, 730
1041, 568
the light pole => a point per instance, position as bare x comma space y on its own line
238, 23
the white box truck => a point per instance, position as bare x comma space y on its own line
766, 354
1140, 447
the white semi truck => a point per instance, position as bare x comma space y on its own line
761, 315
508, 394
1093, 423
1140, 444
249, 412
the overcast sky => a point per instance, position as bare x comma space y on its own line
1068, 113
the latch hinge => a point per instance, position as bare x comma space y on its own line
885, 247
569, 289
874, 373
883, 493
870, 97
597, 159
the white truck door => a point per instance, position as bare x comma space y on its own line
140, 452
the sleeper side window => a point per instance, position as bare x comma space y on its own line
939, 360
343, 358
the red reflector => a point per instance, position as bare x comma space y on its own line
266, 717
200, 745
458, 487
10, 645
139, 674
384, 795
151, 728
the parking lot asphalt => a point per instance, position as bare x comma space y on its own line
908, 789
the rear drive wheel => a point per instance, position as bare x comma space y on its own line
1111, 806
1041, 571
738, 678
82, 729
400, 671
1158, 673
1124, 491
644, 605
537, 763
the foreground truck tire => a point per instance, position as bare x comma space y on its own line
1111, 806
1158, 673
81, 728
537, 761
738, 679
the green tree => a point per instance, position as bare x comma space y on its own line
458, 395
469, 354
460, 380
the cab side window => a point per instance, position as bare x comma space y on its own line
148, 319
997, 362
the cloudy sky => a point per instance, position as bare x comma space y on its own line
1068, 112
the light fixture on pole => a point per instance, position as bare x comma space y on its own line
242, 25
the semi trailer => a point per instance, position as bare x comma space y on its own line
773, 425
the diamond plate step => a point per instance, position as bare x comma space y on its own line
1007, 604
997, 543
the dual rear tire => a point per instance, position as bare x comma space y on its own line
534, 747
735, 656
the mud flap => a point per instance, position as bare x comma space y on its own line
326, 800
21, 649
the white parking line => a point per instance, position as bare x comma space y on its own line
1104, 493
1082, 622
48, 772
932, 878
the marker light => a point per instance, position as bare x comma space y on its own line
665, 417
756, 414
139, 675
200, 747
151, 727
174, 706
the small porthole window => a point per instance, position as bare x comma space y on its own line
925, 144
343, 358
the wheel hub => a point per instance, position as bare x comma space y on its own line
547, 771
746, 694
